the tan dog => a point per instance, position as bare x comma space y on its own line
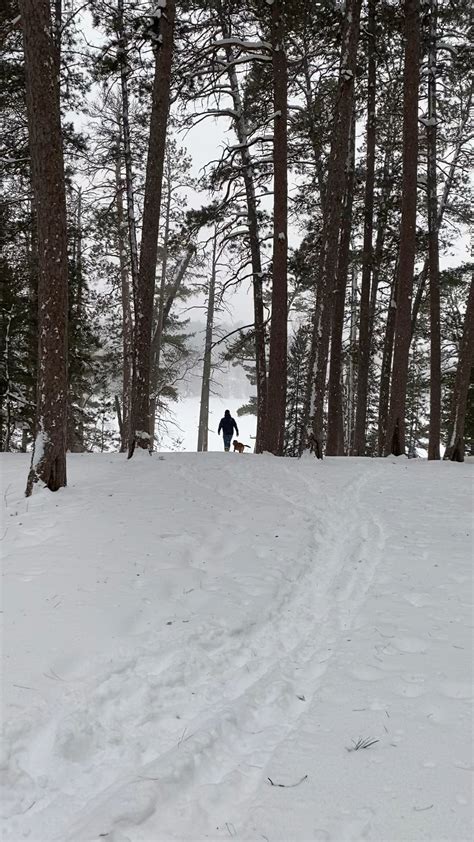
239, 446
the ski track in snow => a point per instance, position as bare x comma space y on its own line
209, 622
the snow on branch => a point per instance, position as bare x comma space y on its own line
239, 42
240, 231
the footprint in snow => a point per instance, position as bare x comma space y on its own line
457, 689
410, 645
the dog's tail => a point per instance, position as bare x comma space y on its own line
247, 445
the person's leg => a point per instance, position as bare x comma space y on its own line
227, 440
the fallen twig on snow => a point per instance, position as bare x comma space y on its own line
362, 742
288, 786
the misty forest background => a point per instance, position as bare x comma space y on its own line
335, 195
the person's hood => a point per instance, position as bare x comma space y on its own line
227, 413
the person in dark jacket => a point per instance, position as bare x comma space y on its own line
227, 425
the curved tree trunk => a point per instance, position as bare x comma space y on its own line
48, 463
395, 435
455, 448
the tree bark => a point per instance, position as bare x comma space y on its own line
387, 356
382, 220
144, 298
276, 392
335, 432
433, 244
7, 395
127, 324
455, 449
395, 436
326, 273
206, 369
48, 462
352, 355
75, 426
158, 332
363, 361
127, 149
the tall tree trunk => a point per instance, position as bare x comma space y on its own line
351, 358
7, 395
206, 369
158, 332
127, 148
57, 23
78, 259
387, 356
382, 220
248, 176
48, 462
335, 433
455, 448
462, 136
75, 426
127, 320
144, 298
276, 394
363, 362
395, 436
127, 324
433, 243
326, 273
313, 127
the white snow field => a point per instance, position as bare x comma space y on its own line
194, 645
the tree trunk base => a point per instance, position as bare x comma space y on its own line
396, 447
456, 452
51, 470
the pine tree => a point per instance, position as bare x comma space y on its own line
296, 389
47, 171
276, 390
335, 190
395, 434
145, 287
363, 362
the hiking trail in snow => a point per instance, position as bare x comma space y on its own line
194, 644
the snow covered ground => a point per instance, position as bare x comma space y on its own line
194, 644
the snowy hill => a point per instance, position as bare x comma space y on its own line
194, 645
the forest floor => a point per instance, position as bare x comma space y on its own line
195, 644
